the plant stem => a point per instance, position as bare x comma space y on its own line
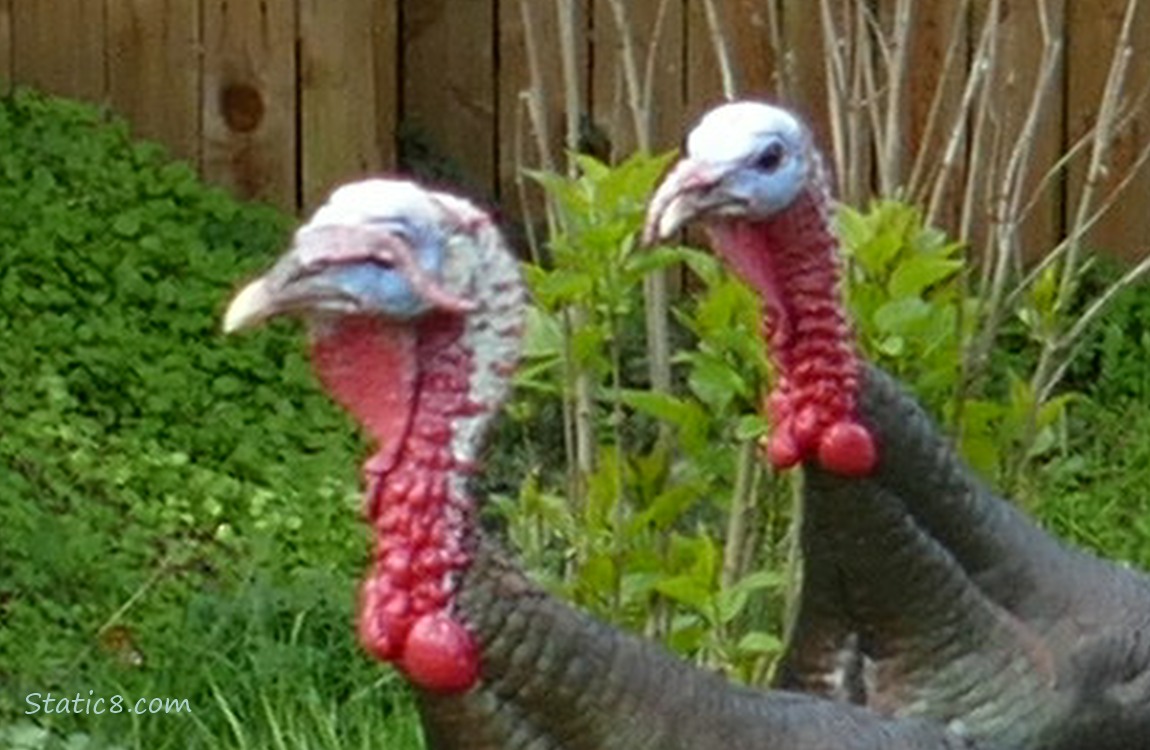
722, 51
742, 507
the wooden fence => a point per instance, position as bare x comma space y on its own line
280, 99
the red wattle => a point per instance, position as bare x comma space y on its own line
369, 365
782, 450
407, 385
791, 260
381, 632
440, 655
847, 448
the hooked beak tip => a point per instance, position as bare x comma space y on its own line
677, 200
251, 306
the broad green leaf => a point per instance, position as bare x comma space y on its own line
751, 427
916, 274
759, 642
715, 382
901, 315
687, 589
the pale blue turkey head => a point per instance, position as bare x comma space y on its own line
745, 160
377, 247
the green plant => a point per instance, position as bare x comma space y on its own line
645, 537
907, 286
150, 471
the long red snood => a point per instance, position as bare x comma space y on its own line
791, 259
405, 384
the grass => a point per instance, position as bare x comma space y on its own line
264, 663
1095, 495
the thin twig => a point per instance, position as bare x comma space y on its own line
535, 94
1011, 189
640, 115
651, 67
925, 158
579, 381
722, 51
742, 501
1099, 306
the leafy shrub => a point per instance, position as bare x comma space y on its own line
148, 467
1113, 364
906, 285
642, 539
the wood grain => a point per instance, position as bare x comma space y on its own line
385, 25
5, 46
1014, 83
526, 140
610, 105
449, 90
338, 95
934, 100
1124, 232
153, 69
804, 69
747, 31
249, 99
58, 46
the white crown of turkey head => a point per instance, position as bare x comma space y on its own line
341, 259
416, 307
743, 159
753, 179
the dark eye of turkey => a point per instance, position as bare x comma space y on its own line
770, 158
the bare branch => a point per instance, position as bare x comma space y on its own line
722, 52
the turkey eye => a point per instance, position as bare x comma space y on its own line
771, 157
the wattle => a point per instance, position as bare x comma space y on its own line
369, 366
406, 384
791, 260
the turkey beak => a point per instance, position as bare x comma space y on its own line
689, 191
341, 270
299, 282
253, 305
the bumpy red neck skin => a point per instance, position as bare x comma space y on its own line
409, 387
792, 261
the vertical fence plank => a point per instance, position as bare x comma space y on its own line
449, 89
804, 70
58, 46
934, 98
610, 104
5, 46
934, 28
747, 33
338, 104
1124, 232
524, 142
667, 98
608, 98
154, 70
1014, 82
385, 32
249, 103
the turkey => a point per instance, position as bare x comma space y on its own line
415, 308
924, 593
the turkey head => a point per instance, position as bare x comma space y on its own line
752, 178
414, 308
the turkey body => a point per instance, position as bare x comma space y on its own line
415, 310
947, 601
923, 592
555, 678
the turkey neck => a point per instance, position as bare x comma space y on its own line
791, 259
426, 391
